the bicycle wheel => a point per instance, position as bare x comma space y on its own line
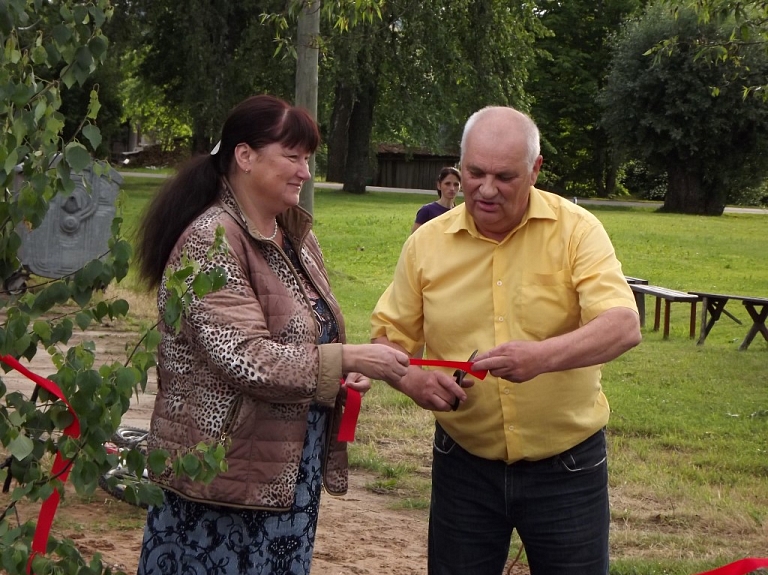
129, 437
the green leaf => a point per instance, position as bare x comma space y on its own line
42, 329
39, 55
88, 476
62, 418
98, 46
16, 418
21, 447
153, 338
77, 156
61, 34
81, 15
157, 461
122, 250
134, 459
151, 494
82, 295
119, 308
99, 17
56, 293
83, 320
93, 134
191, 465
93, 107
54, 56
81, 73
125, 379
218, 276
90, 273
89, 381
202, 285
172, 313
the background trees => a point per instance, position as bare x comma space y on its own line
410, 74
568, 73
687, 116
414, 77
404, 72
205, 58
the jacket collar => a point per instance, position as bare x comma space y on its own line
295, 221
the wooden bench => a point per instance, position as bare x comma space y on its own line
669, 296
714, 305
639, 297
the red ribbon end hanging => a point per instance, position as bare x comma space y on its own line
741, 567
350, 415
61, 467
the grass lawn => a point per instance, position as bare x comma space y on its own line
688, 436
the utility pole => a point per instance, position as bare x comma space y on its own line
307, 81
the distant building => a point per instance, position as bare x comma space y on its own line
398, 167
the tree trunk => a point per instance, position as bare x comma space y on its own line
201, 143
338, 134
604, 172
686, 194
609, 173
357, 168
306, 83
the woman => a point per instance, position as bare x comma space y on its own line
256, 364
448, 186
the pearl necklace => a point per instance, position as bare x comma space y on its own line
273, 236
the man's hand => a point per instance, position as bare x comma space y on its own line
433, 390
604, 338
515, 361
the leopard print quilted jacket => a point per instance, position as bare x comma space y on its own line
245, 366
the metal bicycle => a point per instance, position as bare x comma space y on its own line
115, 480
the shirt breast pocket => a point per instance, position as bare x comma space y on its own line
548, 305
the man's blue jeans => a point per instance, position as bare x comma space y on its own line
558, 505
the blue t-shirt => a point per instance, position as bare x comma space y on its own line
429, 211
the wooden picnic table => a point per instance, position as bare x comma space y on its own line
639, 297
713, 304
669, 296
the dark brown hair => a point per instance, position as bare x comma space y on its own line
258, 122
444, 173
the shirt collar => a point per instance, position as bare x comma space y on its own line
538, 208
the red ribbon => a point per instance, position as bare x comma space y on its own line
462, 365
60, 469
739, 567
350, 414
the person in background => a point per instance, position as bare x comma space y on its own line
533, 284
256, 365
448, 186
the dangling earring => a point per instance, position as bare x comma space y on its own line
248, 170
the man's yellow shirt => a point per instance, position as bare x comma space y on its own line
456, 291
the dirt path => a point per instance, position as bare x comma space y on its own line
358, 534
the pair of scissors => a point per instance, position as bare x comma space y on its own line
459, 376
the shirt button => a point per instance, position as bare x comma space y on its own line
507, 391
501, 318
511, 428
498, 283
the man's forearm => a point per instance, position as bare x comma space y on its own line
604, 338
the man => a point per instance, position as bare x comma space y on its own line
532, 282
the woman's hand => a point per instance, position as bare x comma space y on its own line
358, 382
375, 361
